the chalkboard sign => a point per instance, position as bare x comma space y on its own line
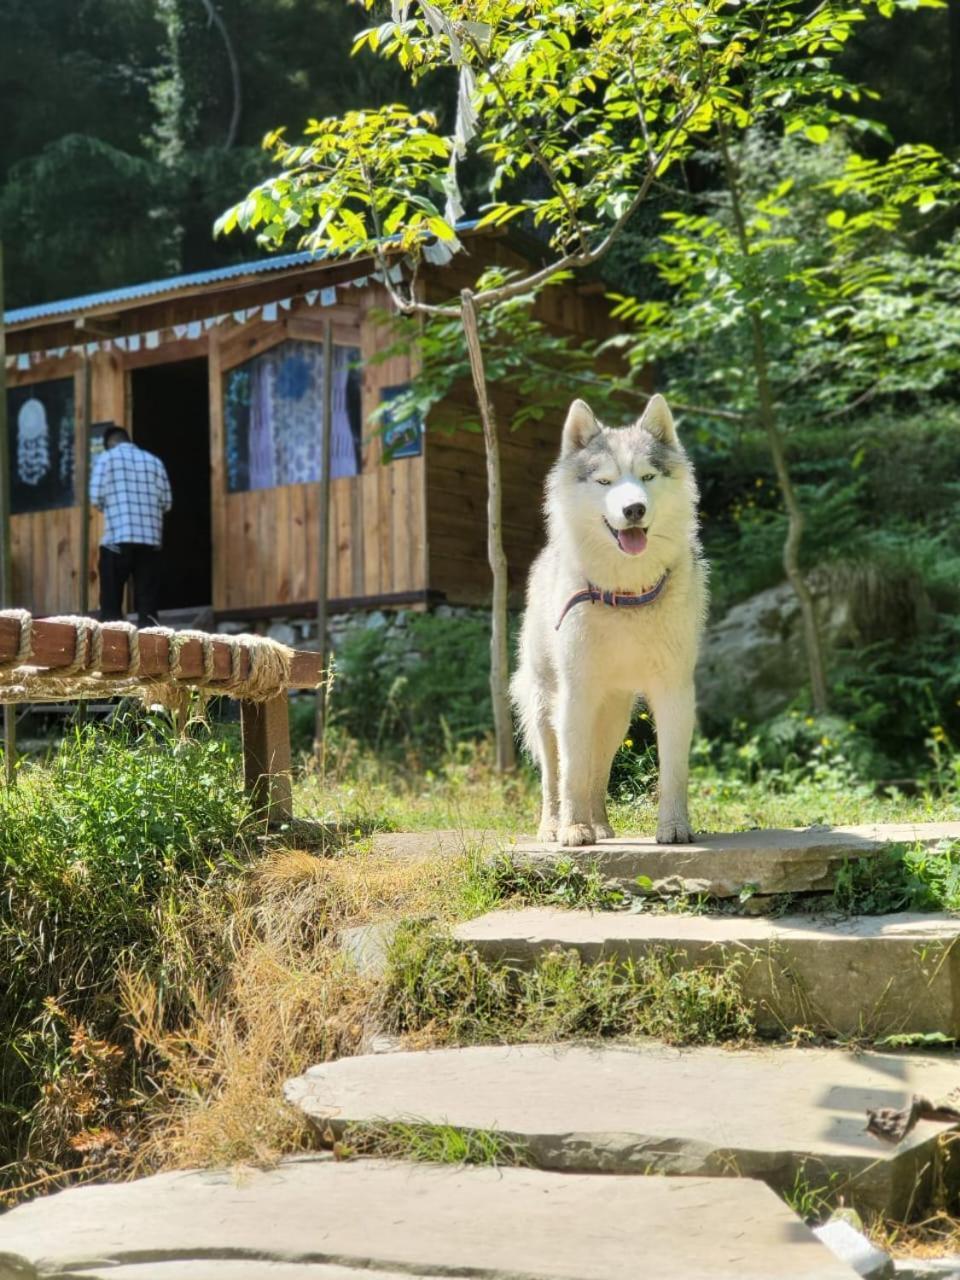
41, 426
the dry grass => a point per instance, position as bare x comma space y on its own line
286, 1000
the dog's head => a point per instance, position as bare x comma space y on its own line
624, 493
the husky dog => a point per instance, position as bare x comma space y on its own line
615, 606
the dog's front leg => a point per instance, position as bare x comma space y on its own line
575, 725
673, 714
609, 730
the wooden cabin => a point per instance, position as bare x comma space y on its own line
220, 374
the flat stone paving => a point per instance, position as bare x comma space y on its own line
759, 1113
865, 975
316, 1218
721, 866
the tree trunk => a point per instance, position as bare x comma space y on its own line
812, 642
499, 657
221, 26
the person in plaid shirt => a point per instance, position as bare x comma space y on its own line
131, 487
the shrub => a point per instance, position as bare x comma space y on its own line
421, 687
103, 852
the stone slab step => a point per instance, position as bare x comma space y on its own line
722, 866
761, 1113
383, 1221
866, 976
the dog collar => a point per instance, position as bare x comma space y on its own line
616, 599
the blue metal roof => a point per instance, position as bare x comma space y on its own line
87, 301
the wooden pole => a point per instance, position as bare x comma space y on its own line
6, 550
83, 483
5, 534
323, 521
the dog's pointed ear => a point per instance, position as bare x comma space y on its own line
658, 420
579, 429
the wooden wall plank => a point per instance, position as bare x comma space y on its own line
300, 532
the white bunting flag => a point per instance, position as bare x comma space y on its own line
328, 297
270, 311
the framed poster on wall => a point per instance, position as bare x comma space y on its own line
41, 430
401, 425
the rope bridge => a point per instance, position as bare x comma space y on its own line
64, 658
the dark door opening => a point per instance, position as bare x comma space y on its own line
171, 418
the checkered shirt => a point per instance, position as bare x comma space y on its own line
132, 489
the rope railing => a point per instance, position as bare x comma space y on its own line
58, 658
77, 658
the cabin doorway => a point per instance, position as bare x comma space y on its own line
171, 418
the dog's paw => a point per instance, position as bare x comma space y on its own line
602, 831
547, 831
575, 833
676, 831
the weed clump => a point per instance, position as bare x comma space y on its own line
561, 883
448, 994
430, 1144
900, 878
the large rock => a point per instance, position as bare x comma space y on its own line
314, 1218
775, 1114
752, 661
723, 866
863, 976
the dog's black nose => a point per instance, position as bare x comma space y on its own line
635, 512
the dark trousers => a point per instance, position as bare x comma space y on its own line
116, 567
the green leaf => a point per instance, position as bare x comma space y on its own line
354, 224
836, 218
818, 133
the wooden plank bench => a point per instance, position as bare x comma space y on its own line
265, 724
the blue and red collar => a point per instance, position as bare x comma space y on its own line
615, 599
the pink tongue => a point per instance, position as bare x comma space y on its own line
632, 540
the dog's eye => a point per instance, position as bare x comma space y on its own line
647, 479
603, 482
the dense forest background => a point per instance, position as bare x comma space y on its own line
128, 125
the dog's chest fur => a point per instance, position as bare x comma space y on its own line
623, 648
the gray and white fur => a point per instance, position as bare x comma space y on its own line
621, 508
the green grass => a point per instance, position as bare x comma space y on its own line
450, 992
430, 1143
464, 793
502, 881
812, 1203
